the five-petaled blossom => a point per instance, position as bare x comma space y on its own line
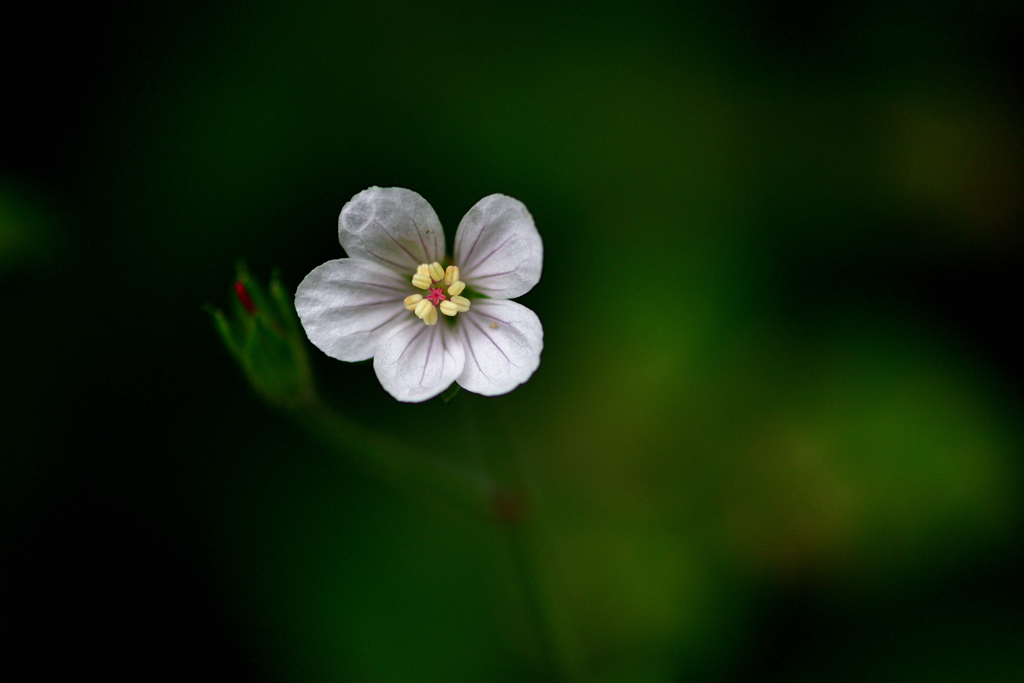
383, 301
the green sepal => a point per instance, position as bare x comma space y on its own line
255, 289
449, 393
284, 304
471, 294
227, 335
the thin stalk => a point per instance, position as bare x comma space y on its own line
395, 462
518, 536
516, 518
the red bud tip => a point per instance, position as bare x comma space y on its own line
509, 507
243, 297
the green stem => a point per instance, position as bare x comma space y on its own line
418, 474
394, 461
515, 514
518, 534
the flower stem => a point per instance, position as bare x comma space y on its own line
519, 535
394, 461
514, 513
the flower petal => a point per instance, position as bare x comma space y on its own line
498, 249
347, 305
503, 342
393, 227
416, 361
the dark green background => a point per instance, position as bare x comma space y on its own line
776, 431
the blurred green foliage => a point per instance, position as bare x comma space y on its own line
775, 434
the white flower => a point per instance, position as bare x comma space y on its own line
383, 301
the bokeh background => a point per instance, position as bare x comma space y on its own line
776, 432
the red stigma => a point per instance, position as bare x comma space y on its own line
243, 297
436, 296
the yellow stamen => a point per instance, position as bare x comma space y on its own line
411, 301
423, 269
448, 308
451, 274
426, 312
436, 271
421, 281
461, 302
455, 288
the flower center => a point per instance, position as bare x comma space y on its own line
436, 278
436, 296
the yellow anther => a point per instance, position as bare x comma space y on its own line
421, 281
455, 288
422, 307
426, 312
461, 302
436, 271
411, 301
423, 269
451, 274
448, 308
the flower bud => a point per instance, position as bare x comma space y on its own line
244, 297
264, 337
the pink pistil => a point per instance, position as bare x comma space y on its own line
436, 296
